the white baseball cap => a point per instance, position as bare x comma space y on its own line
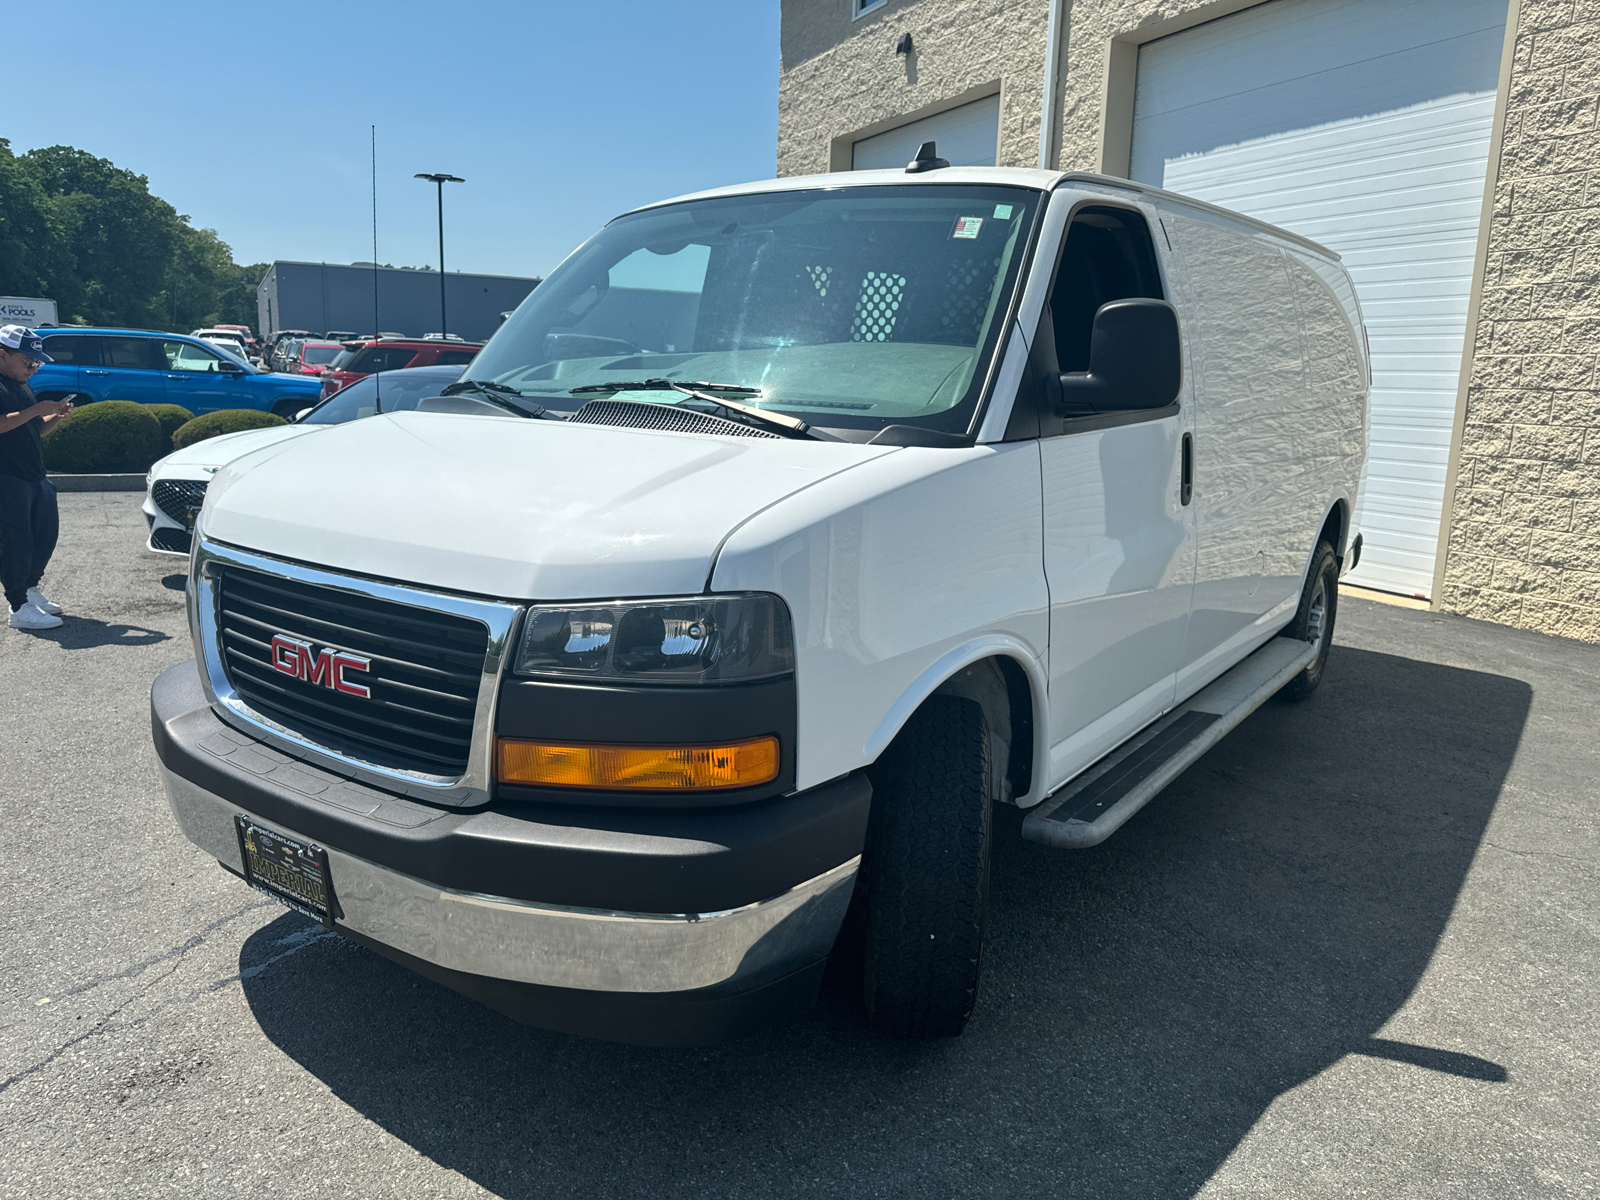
24, 341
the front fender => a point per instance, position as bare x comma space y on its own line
898, 573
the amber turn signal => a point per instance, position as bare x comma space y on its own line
655, 768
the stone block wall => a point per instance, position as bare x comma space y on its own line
840, 76
1524, 545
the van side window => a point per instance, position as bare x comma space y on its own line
1108, 256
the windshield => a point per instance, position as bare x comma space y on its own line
388, 391
853, 307
321, 355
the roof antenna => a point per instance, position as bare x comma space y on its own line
927, 159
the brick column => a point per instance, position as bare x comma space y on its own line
1524, 545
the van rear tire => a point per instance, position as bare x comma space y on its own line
928, 872
1313, 620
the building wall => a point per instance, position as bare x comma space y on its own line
1524, 543
324, 296
842, 78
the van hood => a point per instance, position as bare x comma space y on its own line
512, 508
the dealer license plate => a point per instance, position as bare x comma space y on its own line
289, 870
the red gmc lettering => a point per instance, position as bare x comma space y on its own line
286, 655
350, 662
317, 668
324, 668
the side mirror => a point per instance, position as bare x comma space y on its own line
302, 414
1135, 362
229, 368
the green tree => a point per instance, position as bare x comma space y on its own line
92, 237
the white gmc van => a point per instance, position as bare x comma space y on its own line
779, 535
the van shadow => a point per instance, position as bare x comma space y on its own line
1143, 1003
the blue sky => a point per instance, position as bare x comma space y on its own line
253, 118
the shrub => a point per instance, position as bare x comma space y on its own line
111, 436
226, 420
172, 417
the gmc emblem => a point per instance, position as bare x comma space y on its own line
325, 668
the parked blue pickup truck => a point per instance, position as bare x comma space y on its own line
163, 368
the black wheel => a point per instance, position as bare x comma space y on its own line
1313, 621
928, 872
287, 408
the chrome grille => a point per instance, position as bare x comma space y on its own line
179, 499
426, 670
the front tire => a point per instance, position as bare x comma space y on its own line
1313, 621
928, 872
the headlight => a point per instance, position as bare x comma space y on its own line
695, 639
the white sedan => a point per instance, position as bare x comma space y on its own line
175, 488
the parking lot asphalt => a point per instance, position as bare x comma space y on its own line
1352, 952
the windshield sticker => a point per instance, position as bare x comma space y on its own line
1002, 212
967, 227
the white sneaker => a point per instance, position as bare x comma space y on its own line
43, 603
31, 618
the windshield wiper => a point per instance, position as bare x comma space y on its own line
497, 393
662, 385
777, 422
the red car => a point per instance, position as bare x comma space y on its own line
364, 358
313, 358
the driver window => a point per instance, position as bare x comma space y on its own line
186, 356
1108, 256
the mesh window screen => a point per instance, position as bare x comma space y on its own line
877, 307
966, 299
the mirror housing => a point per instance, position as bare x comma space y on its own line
1135, 362
229, 368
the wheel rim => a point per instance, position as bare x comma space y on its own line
1317, 615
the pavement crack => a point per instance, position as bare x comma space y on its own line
184, 947
1535, 853
172, 955
99, 1027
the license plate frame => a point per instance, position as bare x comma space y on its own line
290, 870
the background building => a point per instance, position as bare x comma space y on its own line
324, 296
1447, 149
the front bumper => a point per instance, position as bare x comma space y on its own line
643, 925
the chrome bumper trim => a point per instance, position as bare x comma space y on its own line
557, 946
467, 790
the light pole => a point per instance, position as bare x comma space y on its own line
441, 180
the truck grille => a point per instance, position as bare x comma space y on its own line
179, 498
426, 670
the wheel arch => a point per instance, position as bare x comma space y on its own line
1334, 529
1002, 674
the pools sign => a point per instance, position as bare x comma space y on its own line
26, 310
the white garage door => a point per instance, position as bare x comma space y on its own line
1364, 125
967, 136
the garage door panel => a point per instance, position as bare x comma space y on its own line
1364, 125
967, 136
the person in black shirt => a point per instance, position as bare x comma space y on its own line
28, 520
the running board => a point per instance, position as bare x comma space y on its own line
1096, 803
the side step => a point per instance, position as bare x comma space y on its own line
1095, 804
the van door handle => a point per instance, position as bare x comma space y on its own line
1186, 486
92, 371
